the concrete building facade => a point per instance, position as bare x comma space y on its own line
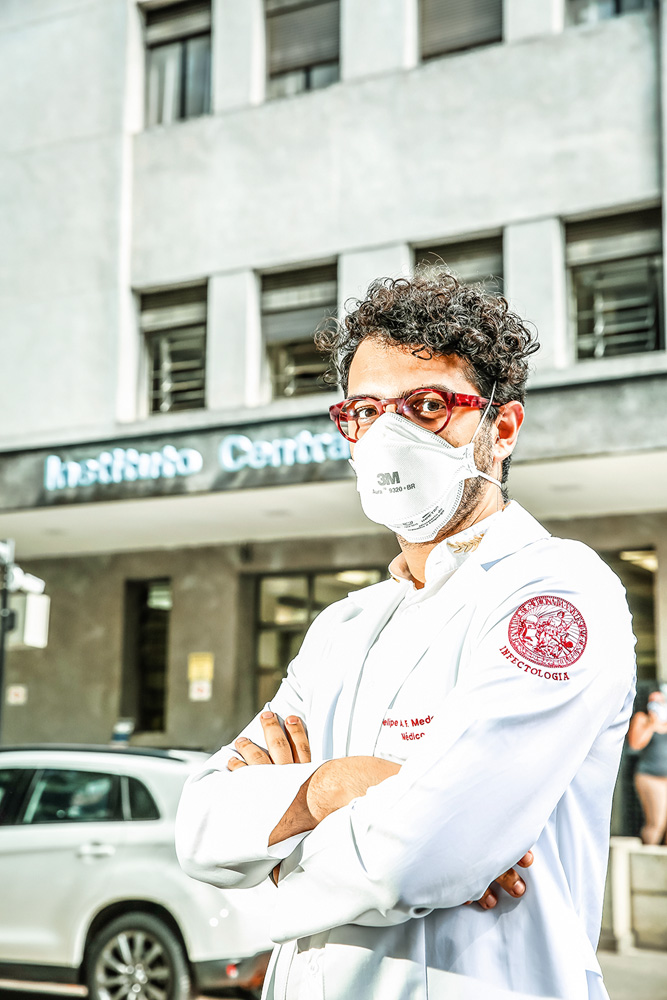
544, 139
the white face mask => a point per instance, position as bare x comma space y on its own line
411, 480
659, 709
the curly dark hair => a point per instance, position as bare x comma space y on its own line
435, 312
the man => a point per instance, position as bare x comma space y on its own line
469, 709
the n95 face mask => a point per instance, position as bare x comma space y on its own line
409, 479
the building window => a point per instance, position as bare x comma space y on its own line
178, 62
144, 684
471, 261
286, 605
302, 45
450, 25
590, 11
173, 322
294, 304
615, 273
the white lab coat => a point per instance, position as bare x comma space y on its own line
370, 903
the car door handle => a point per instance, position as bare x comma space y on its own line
96, 850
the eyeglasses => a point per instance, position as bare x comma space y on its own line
430, 408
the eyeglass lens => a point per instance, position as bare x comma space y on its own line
426, 408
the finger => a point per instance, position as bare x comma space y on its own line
527, 860
251, 753
512, 883
296, 734
233, 763
488, 900
276, 742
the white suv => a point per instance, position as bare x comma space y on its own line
92, 892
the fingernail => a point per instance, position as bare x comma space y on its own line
490, 902
291, 720
241, 740
519, 889
266, 715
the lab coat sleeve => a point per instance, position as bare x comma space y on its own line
476, 793
224, 818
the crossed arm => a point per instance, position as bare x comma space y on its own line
333, 785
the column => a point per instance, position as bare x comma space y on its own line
528, 18
234, 343
238, 54
535, 285
661, 603
377, 36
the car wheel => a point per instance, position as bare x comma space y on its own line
137, 957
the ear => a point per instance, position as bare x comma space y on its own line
507, 426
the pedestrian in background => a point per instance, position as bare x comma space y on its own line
648, 734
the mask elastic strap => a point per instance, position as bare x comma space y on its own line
486, 410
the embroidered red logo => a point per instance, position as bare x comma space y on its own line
548, 630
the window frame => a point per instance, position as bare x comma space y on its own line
276, 343
629, 243
181, 38
38, 775
259, 626
306, 70
154, 329
18, 800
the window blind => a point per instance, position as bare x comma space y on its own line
174, 324
295, 302
178, 20
614, 237
301, 35
448, 25
472, 260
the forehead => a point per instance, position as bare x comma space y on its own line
384, 369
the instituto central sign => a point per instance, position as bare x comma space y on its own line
211, 459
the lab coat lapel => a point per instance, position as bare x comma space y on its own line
345, 656
373, 701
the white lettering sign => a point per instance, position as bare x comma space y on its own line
237, 451
121, 465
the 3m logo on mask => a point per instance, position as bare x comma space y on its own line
388, 478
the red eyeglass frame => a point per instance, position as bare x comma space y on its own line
450, 399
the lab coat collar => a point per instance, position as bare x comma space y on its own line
514, 529
509, 533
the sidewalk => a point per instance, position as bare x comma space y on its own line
638, 975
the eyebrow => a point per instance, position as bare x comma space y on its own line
407, 392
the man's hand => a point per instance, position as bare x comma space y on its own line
510, 881
288, 746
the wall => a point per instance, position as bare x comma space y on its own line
62, 164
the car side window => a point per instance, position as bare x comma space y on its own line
13, 782
142, 803
60, 795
